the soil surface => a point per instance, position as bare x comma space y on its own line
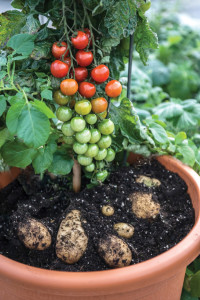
49, 201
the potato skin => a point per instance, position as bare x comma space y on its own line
107, 210
124, 230
143, 206
34, 235
71, 238
114, 251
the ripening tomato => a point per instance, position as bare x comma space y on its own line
67, 61
99, 105
100, 73
90, 168
84, 58
60, 98
87, 89
88, 33
59, 69
91, 119
80, 41
113, 88
83, 107
69, 87
59, 49
64, 113
106, 127
81, 74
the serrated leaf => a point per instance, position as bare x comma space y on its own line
2, 74
187, 154
180, 137
16, 154
41, 106
41, 50
43, 160
32, 25
145, 39
158, 133
3, 61
13, 116
2, 105
62, 163
22, 43
47, 94
18, 4
4, 134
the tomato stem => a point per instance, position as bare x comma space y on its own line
76, 177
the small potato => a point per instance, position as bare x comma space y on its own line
107, 210
148, 181
34, 234
71, 238
143, 206
114, 251
123, 229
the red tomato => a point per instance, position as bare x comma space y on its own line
58, 49
80, 41
99, 105
68, 61
84, 58
69, 87
113, 88
59, 69
88, 33
81, 74
87, 89
100, 73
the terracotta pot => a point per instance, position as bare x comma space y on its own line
159, 278
8, 177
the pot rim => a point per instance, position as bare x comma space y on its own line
129, 278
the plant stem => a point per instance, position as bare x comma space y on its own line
76, 177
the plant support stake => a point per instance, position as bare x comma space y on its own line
130, 62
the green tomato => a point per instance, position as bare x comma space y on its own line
106, 127
102, 175
91, 119
69, 140
100, 164
92, 150
77, 124
67, 130
105, 141
110, 155
101, 154
60, 98
84, 136
83, 107
64, 114
90, 168
95, 136
80, 148
84, 160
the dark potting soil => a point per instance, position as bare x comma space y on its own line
49, 201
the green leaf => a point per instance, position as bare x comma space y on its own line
186, 296
16, 154
2, 74
32, 25
158, 133
180, 137
29, 124
195, 284
62, 163
145, 39
47, 94
22, 43
2, 105
3, 61
4, 134
41, 50
41, 106
18, 4
187, 155
11, 23
117, 18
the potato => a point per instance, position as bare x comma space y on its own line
148, 181
71, 238
114, 251
123, 229
143, 206
34, 234
107, 210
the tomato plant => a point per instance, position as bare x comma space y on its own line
87, 89
59, 69
84, 58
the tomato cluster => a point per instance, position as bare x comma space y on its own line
83, 113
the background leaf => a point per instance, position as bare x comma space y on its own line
22, 43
